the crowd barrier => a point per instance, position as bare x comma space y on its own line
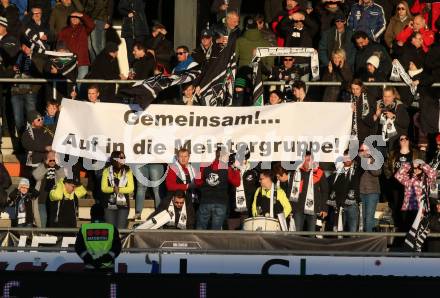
54, 82
197, 241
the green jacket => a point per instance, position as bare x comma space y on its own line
246, 44
99, 9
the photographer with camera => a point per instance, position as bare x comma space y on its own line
214, 183
391, 115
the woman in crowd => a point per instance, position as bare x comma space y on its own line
416, 178
404, 153
397, 22
363, 108
391, 116
338, 70
117, 184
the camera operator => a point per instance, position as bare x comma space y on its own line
392, 116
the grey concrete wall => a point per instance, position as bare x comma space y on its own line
185, 23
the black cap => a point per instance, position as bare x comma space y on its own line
74, 181
32, 115
206, 33
339, 17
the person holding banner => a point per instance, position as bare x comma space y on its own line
214, 183
180, 208
309, 194
270, 199
117, 184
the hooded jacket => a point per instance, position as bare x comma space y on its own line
245, 45
76, 39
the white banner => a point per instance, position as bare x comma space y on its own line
281, 132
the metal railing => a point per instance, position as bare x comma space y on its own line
265, 83
127, 232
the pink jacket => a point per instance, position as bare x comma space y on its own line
403, 177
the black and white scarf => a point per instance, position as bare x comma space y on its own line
434, 164
240, 196
30, 131
398, 73
182, 174
182, 218
388, 124
365, 112
117, 199
294, 192
420, 227
309, 204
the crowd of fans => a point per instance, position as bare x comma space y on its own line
357, 42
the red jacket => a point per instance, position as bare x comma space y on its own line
427, 35
274, 25
171, 179
420, 8
233, 175
76, 39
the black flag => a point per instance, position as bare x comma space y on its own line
146, 91
63, 62
420, 228
218, 78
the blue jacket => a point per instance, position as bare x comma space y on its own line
370, 19
22, 6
